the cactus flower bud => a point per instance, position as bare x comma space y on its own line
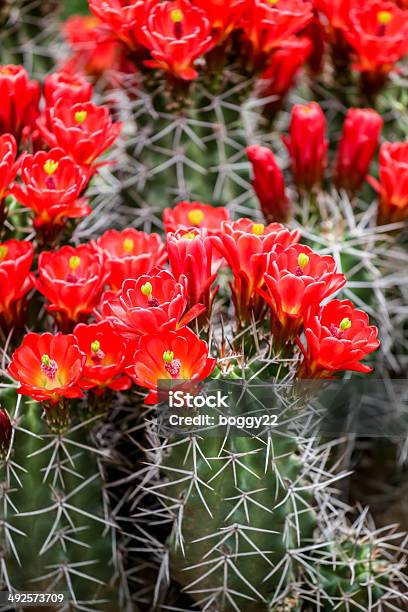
356, 148
307, 145
269, 184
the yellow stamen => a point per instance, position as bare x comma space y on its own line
195, 216
176, 15
303, 260
74, 262
258, 229
128, 245
273, 2
168, 356
80, 116
50, 166
384, 17
3, 251
189, 236
345, 324
4, 70
146, 289
95, 346
45, 360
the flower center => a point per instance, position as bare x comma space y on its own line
50, 166
345, 324
96, 352
74, 262
3, 251
195, 216
80, 116
147, 290
48, 366
176, 15
272, 2
302, 261
189, 236
384, 17
128, 245
258, 229
171, 365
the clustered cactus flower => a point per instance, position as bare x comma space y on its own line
173, 217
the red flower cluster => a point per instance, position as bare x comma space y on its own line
16, 259
52, 182
307, 146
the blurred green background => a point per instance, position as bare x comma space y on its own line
75, 6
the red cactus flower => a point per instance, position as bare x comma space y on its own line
269, 184
307, 145
338, 337
393, 184
356, 149
124, 18
378, 33
266, 24
16, 281
177, 33
72, 280
19, 101
48, 367
297, 280
70, 87
51, 186
170, 355
337, 11
285, 62
93, 52
105, 351
153, 303
8, 167
129, 254
244, 243
195, 214
223, 16
6, 431
191, 254
84, 131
